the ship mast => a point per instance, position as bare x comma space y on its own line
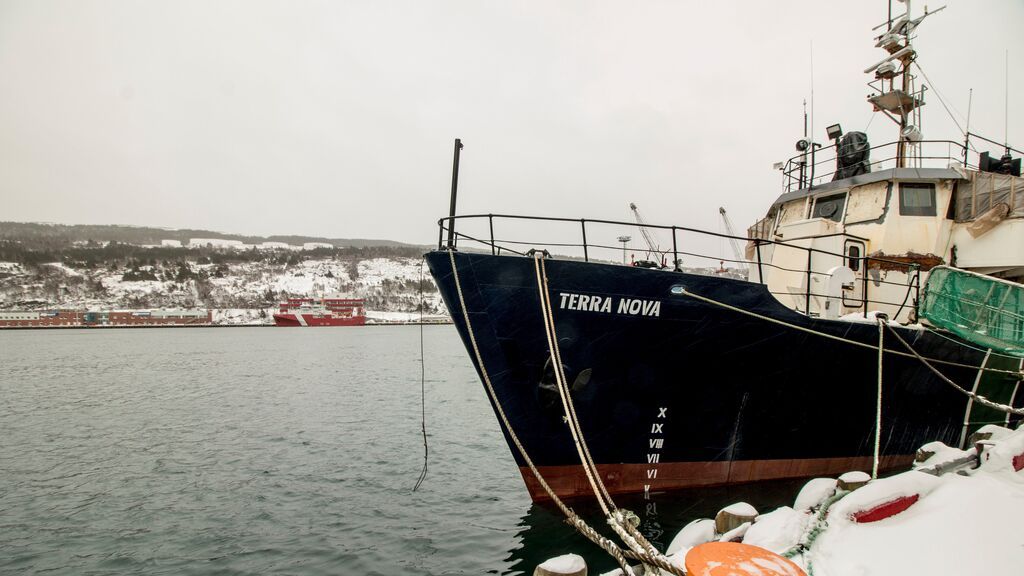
900, 102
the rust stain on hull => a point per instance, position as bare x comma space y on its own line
900, 262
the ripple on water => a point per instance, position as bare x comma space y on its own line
241, 451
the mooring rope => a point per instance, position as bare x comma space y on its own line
970, 401
423, 389
619, 520
572, 518
598, 487
816, 526
973, 395
686, 292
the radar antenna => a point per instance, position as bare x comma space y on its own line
897, 97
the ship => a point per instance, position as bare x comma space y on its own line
321, 312
821, 361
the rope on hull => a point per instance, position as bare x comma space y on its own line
572, 518
911, 354
623, 522
686, 292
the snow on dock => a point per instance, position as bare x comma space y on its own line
964, 522
957, 512
964, 525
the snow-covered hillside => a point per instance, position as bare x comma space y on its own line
244, 292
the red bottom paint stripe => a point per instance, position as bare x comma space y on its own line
571, 481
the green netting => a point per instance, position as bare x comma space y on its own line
978, 308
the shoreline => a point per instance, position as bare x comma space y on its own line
12, 328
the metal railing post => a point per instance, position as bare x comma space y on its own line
917, 292
490, 223
455, 189
440, 233
807, 302
864, 284
675, 251
583, 225
760, 272
810, 181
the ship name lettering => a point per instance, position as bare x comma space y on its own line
636, 306
570, 301
588, 303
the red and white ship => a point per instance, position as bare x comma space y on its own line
321, 312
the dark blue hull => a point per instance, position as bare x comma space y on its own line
685, 393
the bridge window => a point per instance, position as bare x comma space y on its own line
829, 207
917, 199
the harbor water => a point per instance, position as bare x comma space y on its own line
275, 451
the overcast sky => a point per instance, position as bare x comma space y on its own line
337, 118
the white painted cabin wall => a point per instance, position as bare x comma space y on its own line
872, 212
898, 235
786, 277
1001, 247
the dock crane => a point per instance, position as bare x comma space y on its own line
736, 250
652, 245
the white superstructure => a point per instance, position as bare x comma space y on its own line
876, 227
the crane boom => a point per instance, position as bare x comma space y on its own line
648, 238
732, 241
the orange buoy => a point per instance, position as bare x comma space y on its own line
736, 559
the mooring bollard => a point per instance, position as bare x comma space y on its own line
853, 480
814, 492
694, 533
733, 516
988, 432
927, 451
564, 565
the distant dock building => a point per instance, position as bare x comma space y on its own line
103, 318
